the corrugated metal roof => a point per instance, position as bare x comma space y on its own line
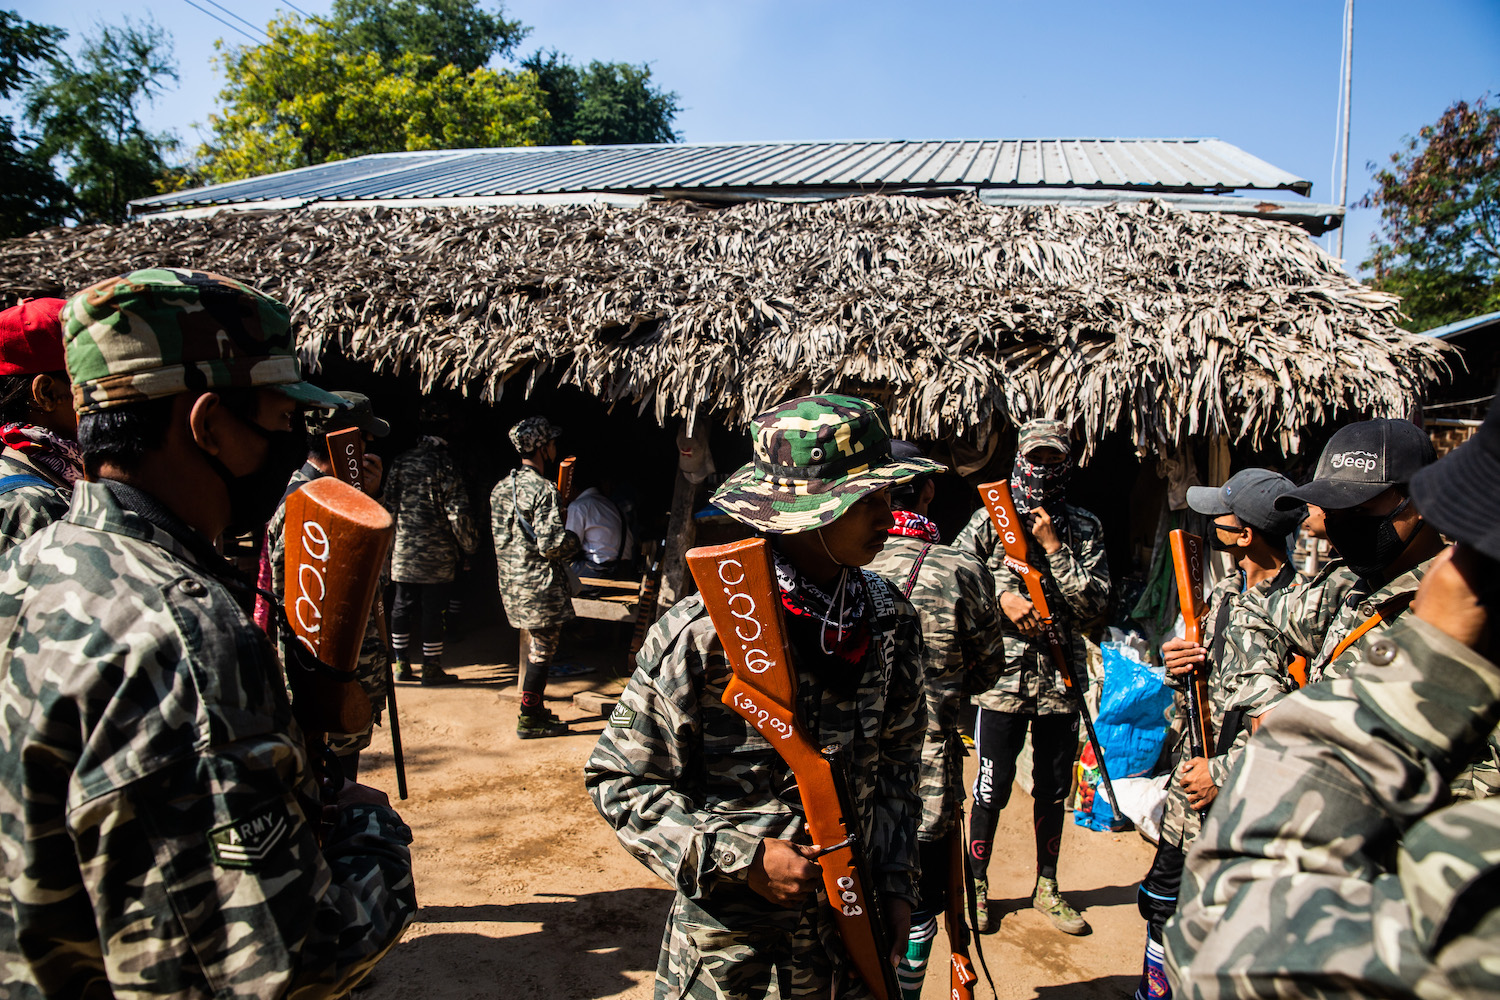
1465, 326
759, 169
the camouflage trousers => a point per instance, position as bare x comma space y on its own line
370, 673
543, 645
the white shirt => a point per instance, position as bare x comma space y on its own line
597, 523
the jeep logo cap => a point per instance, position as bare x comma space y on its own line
1362, 461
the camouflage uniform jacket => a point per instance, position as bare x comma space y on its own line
370, 671
533, 571
27, 509
425, 493
691, 789
154, 790
1076, 580
1333, 864
1180, 823
954, 595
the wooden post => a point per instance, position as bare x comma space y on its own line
682, 532
525, 657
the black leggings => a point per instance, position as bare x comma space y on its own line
1157, 896
998, 737
417, 620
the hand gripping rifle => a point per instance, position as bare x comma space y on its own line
1002, 509
1187, 565
336, 541
739, 591
346, 450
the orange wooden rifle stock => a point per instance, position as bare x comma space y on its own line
1187, 564
336, 541
565, 480
961, 977
739, 590
1002, 510
346, 451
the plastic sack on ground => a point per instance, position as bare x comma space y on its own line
1143, 801
1134, 706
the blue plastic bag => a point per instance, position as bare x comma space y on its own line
1134, 709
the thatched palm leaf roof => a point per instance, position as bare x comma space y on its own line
1163, 323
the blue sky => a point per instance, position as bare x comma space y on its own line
1262, 75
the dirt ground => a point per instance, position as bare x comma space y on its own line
525, 892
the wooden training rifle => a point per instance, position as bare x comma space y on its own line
1002, 510
336, 541
961, 978
739, 590
1187, 565
346, 450
565, 480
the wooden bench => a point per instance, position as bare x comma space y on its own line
608, 600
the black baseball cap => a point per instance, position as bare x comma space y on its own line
359, 413
1251, 496
1362, 461
1460, 494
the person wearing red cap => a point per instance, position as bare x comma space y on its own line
40, 461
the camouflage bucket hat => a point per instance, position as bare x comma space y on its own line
533, 432
815, 457
161, 331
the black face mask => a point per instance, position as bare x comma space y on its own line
1368, 542
254, 497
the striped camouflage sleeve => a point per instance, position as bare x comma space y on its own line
553, 539
980, 636
26, 510
1328, 866
456, 506
1080, 571
898, 804
219, 841
978, 537
644, 773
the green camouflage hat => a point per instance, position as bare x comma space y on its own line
533, 432
360, 413
814, 458
1043, 433
162, 331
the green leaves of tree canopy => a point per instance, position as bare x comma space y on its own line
1439, 244
31, 195
88, 113
304, 98
453, 32
602, 103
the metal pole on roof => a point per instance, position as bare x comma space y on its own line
1348, 84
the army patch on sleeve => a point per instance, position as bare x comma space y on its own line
249, 842
622, 717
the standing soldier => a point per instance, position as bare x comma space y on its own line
40, 461
1337, 863
532, 548
702, 799
1247, 525
425, 493
963, 653
1067, 546
373, 655
159, 820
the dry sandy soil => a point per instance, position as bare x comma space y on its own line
525, 892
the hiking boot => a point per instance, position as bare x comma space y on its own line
404, 673
982, 923
435, 676
531, 727
1048, 900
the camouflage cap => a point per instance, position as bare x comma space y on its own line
533, 432
161, 331
360, 414
814, 458
1042, 433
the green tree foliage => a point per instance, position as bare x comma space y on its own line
88, 111
304, 98
454, 32
1439, 201
31, 196
602, 103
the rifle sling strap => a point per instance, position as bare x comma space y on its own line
1389, 610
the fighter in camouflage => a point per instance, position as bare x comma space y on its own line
158, 813
694, 791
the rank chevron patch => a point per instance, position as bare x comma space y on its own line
247, 843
